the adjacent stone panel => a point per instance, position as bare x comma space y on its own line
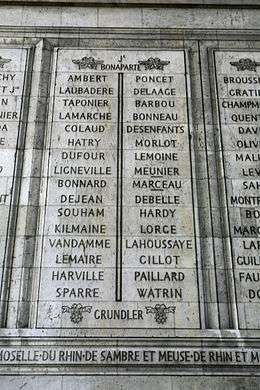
12, 82
117, 244
238, 87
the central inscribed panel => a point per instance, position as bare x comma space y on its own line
117, 232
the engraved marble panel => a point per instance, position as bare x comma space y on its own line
238, 81
12, 83
117, 234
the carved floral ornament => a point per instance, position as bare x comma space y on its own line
154, 63
4, 61
160, 312
88, 63
245, 64
76, 311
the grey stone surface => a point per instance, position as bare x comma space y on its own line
56, 298
127, 383
136, 17
248, 3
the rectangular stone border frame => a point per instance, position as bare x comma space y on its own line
212, 120
184, 38
93, 42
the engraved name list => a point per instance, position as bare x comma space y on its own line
117, 246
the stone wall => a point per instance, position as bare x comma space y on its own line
129, 196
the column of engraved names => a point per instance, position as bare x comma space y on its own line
12, 74
80, 223
159, 259
238, 77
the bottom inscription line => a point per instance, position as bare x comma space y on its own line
130, 356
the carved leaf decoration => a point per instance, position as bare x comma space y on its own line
160, 312
150, 309
76, 310
245, 64
170, 309
4, 61
66, 309
88, 63
154, 63
87, 309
